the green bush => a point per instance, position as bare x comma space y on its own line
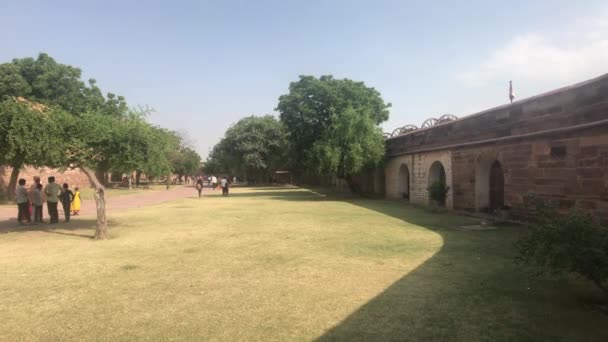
438, 192
566, 244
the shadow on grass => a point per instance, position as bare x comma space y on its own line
80, 227
293, 195
469, 290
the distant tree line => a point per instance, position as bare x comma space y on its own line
50, 117
326, 126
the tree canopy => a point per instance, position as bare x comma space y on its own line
332, 125
50, 117
28, 136
253, 148
43, 80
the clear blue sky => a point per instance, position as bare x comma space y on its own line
204, 64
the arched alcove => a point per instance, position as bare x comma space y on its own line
497, 186
489, 185
437, 174
404, 181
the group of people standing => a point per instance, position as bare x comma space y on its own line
223, 183
213, 182
33, 199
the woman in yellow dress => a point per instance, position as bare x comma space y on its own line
75, 206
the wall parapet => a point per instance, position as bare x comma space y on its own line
571, 107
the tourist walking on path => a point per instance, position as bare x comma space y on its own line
75, 207
23, 203
213, 182
199, 186
52, 191
37, 201
67, 196
224, 183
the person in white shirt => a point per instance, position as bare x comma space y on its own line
52, 191
37, 201
213, 182
224, 183
23, 203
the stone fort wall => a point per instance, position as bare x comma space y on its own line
567, 107
554, 146
416, 168
72, 177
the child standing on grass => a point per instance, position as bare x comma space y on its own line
66, 197
75, 206
37, 203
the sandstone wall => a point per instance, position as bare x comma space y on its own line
72, 177
367, 182
418, 167
554, 146
570, 169
582, 103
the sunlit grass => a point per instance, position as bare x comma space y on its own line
87, 192
281, 265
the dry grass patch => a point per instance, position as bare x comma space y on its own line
281, 265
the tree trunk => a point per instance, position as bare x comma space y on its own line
12, 184
101, 229
101, 174
168, 180
137, 178
352, 185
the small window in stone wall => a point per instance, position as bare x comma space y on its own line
558, 151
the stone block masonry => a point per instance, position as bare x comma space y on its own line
418, 168
72, 177
553, 146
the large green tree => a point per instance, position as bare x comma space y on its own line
50, 117
28, 136
93, 139
333, 126
44, 80
185, 162
253, 148
136, 145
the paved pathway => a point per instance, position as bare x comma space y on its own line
119, 202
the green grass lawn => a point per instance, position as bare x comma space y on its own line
283, 265
87, 193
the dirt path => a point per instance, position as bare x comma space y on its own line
118, 202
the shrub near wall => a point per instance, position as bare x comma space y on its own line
574, 243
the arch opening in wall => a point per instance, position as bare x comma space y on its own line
437, 175
489, 185
497, 187
404, 182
